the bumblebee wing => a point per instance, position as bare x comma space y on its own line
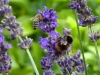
58, 39
69, 48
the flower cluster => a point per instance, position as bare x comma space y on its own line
72, 64
9, 21
86, 18
94, 36
46, 66
68, 64
52, 53
5, 61
84, 12
49, 22
26, 44
49, 44
57, 47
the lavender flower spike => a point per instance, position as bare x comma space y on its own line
51, 42
48, 72
66, 31
47, 65
26, 44
5, 60
49, 22
72, 65
9, 20
94, 36
86, 18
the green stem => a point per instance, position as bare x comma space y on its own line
59, 69
97, 55
81, 43
67, 72
96, 49
32, 61
30, 56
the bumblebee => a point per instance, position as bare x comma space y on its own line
63, 43
38, 18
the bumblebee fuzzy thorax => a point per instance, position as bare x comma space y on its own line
63, 43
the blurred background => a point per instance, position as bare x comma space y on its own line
24, 10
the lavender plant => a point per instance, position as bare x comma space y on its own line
58, 47
5, 60
49, 22
86, 18
9, 22
46, 66
69, 64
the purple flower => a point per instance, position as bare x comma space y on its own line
16, 33
66, 65
4, 8
26, 44
74, 5
94, 36
70, 63
9, 21
49, 22
66, 31
54, 34
46, 66
44, 43
86, 18
46, 63
48, 72
5, 63
78, 62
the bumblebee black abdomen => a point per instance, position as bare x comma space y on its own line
60, 47
69, 39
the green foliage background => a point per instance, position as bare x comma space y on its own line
24, 10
